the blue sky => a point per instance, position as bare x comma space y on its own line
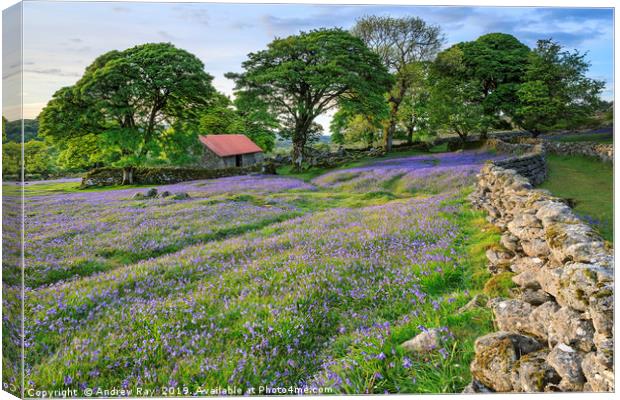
61, 39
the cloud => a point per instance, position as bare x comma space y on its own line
51, 71
166, 35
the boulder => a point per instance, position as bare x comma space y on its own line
164, 194
567, 362
532, 373
512, 315
538, 323
496, 355
424, 342
180, 196
534, 297
152, 192
476, 387
599, 378
571, 328
137, 196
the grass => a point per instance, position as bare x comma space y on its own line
329, 292
593, 137
589, 184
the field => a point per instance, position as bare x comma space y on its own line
260, 281
589, 184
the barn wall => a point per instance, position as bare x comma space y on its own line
212, 160
253, 158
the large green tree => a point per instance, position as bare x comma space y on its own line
303, 76
399, 42
556, 92
454, 103
126, 102
493, 67
414, 111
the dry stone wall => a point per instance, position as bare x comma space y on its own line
603, 152
556, 333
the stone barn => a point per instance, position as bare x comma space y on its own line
225, 151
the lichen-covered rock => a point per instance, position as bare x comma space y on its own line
152, 192
424, 342
567, 362
535, 247
498, 260
534, 297
555, 211
579, 282
539, 319
476, 387
496, 355
510, 242
527, 264
601, 309
600, 379
550, 279
532, 373
512, 315
527, 279
180, 196
571, 328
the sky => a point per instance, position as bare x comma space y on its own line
62, 38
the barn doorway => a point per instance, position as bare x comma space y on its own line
238, 160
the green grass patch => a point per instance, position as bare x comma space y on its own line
589, 184
592, 137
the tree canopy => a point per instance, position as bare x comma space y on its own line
125, 104
400, 43
556, 92
302, 76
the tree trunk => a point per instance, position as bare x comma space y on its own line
298, 155
410, 134
127, 176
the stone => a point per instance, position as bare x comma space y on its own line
510, 242
555, 211
498, 260
152, 192
512, 315
164, 194
571, 328
604, 350
180, 196
532, 373
527, 279
599, 378
424, 342
539, 319
137, 196
567, 362
534, 297
476, 387
496, 355
579, 282
527, 264
477, 301
550, 279
535, 247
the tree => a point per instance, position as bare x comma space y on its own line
454, 100
301, 77
414, 111
399, 42
556, 93
127, 100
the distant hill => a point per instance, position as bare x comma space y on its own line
13, 130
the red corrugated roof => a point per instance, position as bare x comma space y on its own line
229, 145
